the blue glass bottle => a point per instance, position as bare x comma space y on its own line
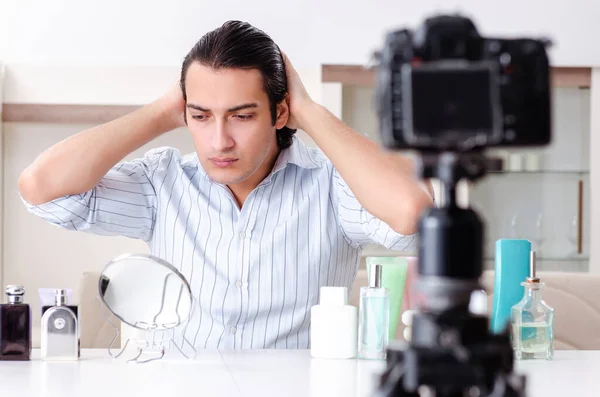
373, 318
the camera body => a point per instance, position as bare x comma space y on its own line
444, 87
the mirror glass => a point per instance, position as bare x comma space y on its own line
145, 292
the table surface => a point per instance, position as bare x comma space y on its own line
255, 373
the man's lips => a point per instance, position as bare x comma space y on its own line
222, 161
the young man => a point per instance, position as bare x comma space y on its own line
256, 221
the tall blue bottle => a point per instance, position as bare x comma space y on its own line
511, 268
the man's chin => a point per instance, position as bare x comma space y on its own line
225, 177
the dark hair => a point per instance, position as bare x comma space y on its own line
240, 45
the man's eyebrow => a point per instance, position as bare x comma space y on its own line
233, 109
197, 107
242, 107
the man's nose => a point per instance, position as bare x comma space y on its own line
222, 140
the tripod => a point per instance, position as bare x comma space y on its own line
452, 352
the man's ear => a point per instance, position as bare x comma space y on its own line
283, 114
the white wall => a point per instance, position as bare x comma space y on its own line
143, 33
99, 51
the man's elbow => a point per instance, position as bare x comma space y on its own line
408, 219
30, 188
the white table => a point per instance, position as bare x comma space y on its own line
255, 373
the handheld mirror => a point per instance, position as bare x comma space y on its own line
146, 293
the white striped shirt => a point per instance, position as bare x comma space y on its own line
255, 271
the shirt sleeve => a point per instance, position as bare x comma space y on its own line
362, 228
123, 203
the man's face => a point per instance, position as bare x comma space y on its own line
229, 118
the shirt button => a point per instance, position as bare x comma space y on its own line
238, 284
242, 235
233, 330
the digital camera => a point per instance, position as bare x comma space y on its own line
444, 87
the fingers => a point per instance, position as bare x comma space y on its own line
407, 319
407, 334
287, 63
285, 58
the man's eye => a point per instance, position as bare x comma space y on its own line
243, 116
199, 117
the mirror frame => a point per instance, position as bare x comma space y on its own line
158, 261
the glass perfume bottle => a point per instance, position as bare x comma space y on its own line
60, 332
532, 321
15, 326
373, 318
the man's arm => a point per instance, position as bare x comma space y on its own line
384, 183
78, 163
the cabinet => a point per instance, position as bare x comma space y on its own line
542, 194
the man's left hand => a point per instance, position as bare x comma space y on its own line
384, 184
298, 99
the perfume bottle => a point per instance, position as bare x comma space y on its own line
373, 318
15, 326
532, 321
60, 339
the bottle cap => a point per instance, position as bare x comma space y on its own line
61, 297
15, 293
532, 268
375, 279
334, 296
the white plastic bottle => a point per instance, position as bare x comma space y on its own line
334, 324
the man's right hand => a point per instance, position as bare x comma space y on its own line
173, 105
58, 171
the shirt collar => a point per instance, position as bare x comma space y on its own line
298, 154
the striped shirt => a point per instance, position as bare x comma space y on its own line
254, 271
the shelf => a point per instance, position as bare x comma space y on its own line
358, 75
541, 172
63, 113
381, 251
583, 258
